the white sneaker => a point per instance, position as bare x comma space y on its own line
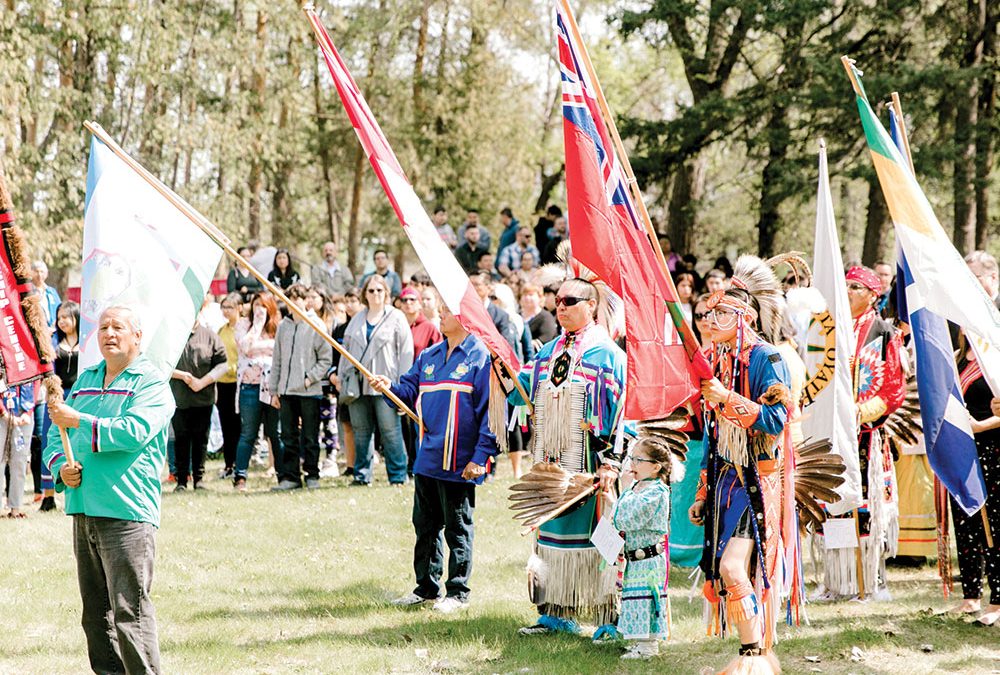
448, 604
329, 468
644, 649
410, 600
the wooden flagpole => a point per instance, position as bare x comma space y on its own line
848, 64
687, 336
216, 235
898, 109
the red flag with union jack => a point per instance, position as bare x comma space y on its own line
447, 275
664, 361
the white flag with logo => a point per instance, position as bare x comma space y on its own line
139, 250
828, 409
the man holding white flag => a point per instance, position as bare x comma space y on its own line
146, 268
879, 388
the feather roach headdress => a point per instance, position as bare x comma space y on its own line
610, 309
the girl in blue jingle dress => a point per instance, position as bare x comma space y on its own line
643, 515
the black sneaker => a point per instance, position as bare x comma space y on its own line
181, 487
48, 504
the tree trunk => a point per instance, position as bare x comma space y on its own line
876, 224
188, 143
323, 145
281, 214
769, 218
256, 181
986, 130
353, 225
966, 120
985, 147
689, 185
418, 62
549, 182
963, 191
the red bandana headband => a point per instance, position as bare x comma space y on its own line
866, 278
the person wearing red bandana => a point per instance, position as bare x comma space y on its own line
879, 388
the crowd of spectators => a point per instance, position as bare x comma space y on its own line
258, 386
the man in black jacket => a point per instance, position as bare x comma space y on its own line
471, 250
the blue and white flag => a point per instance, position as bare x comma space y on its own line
141, 251
951, 448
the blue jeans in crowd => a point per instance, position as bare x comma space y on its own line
366, 412
252, 413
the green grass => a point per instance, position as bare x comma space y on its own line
301, 583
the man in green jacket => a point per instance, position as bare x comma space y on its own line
116, 417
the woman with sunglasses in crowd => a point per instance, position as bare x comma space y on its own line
379, 337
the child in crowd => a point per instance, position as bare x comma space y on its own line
643, 515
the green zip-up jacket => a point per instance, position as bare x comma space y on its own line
121, 443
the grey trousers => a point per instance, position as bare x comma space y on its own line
114, 567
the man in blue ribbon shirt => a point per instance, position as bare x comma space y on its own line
449, 385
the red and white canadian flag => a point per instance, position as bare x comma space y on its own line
447, 275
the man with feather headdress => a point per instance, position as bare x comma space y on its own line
741, 498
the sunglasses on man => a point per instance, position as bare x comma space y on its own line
569, 300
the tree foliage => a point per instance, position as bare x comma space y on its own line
722, 103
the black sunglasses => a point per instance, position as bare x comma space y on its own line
698, 316
569, 300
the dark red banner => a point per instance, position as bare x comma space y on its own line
17, 347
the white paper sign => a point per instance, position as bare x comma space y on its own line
607, 540
840, 533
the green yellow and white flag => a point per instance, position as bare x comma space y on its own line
938, 286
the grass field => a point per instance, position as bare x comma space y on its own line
301, 583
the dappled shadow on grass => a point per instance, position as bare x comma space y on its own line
832, 638
462, 643
354, 601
